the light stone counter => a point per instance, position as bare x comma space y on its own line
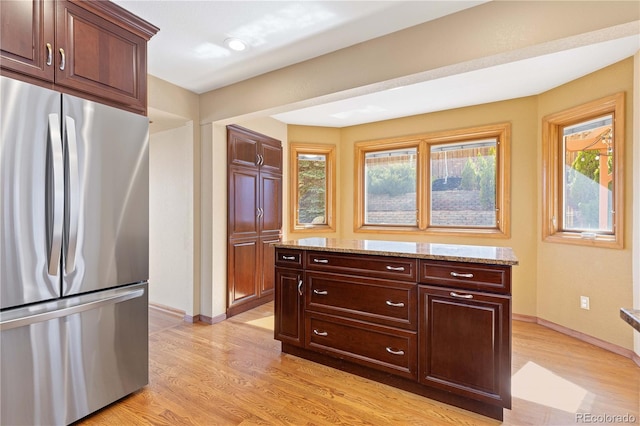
450, 252
632, 316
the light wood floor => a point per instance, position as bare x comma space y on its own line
233, 373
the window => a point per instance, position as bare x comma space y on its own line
583, 187
313, 186
452, 182
390, 187
463, 184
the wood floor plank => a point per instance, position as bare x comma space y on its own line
233, 373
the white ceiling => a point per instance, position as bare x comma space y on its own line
189, 51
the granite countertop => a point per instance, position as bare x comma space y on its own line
451, 252
632, 316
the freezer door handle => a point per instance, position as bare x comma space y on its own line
65, 311
73, 208
55, 193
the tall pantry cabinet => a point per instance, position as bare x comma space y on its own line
254, 217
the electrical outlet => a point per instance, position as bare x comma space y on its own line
584, 302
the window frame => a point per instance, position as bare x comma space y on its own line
329, 151
362, 148
552, 229
502, 133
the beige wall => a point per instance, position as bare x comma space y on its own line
521, 113
174, 162
565, 272
171, 254
636, 200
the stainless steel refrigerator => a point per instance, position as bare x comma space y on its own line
74, 255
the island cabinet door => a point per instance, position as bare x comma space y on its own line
465, 343
289, 325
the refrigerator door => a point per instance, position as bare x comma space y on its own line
65, 359
31, 212
106, 240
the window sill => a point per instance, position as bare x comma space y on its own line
413, 230
575, 238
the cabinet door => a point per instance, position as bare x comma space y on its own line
267, 266
242, 272
465, 343
271, 156
242, 147
27, 37
100, 57
270, 204
289, 326
243, 203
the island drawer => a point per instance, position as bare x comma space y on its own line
383, 348
397, 268
289, 258
384, 302
480, 277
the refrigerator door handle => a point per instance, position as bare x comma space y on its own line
55, 196
69, 310
74, 195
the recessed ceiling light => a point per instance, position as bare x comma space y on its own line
235, 44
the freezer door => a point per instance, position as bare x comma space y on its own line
107, 197
65, 359
30, 237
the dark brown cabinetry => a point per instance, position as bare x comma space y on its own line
434, 327
92, 49
465, 344
289, 326
254, 217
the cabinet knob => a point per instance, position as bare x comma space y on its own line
315, 260
300, 287
320, 333
320, 292
288, 257
394, 304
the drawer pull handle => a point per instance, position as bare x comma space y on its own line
288, 258
320, 260
394, 352
321, 292
395, 268
300, 287
458, 275
320, 333
461, 296
395, 305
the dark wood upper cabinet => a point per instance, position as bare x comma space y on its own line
92, 49
27, 37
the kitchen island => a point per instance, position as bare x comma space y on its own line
433, 319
